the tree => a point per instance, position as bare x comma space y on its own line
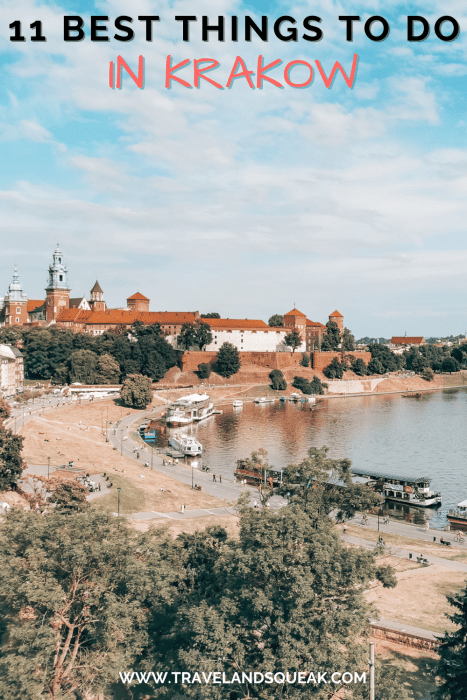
389, 361
348, 340
203, 335
69, 494
428, 374
276, 320
450, 364
419, 364
77, 592
452, 667
375, 366
108, 369
213, 314
227, 360
197, 333
317, 386
359, 367
332, 338
277, 380
136, 391
293, 339
335, 369
5, 410
11, 464
275, 601
204, 370
83, 366
305, 360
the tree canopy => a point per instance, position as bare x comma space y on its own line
335, 369
11, 464
277, 380
194, 334
136, 391
332, 338
452, 667
227, 360
293, 339
276, 320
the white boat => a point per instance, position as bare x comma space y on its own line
187, 409
294, 397
186, 444
312, 400
237, 404
264, 399
409, 490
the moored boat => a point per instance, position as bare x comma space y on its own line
264, 399
189, 409
186, 444
412, 491
458, 517
237, 404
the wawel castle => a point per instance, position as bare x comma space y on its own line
92, 316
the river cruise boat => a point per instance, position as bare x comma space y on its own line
256, 474
237, 404
458, 517
409, 490
189, 409
264, 399
186, 444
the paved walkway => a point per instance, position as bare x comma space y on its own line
402, 528
178, 515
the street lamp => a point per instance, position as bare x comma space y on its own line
118, 501
380, 512
48, 467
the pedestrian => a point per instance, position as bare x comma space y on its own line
386, 520
345, 529
220, 479
213, 477
183, 508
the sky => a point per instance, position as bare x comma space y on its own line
237, 200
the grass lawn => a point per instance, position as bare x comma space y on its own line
132, 498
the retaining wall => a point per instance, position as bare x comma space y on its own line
272, 360
321, 360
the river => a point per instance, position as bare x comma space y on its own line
388, 433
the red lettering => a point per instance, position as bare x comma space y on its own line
289, 67
262, 70
139, 79
111, 74
244, 73
200, 71
169, 70
337, 66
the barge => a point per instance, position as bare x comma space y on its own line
409, 490
457, 517
189, 409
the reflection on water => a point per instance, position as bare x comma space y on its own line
419, 437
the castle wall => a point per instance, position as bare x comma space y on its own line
272, 360
320, 360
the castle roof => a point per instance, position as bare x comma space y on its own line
294, 312
139, 297
336, 313
96, 288
125, 317
223, 324
315, 323
35, 304
404, 340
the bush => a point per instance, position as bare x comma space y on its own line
204, 370
375, 366
305, 362
317, 386
136, 391
359, 367
277, 380
227, 360
450, 364
428, 374
335, 370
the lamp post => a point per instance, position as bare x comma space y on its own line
48, 467
380, 512
118, 501
192, 475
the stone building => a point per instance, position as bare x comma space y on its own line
11, 370
248, 335
14, 311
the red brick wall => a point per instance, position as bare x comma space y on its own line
272, 360
320, 360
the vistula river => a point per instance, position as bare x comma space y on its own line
388, 433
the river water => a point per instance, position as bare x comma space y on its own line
388, 433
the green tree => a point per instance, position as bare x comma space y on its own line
317, 386
450, 364
5, 410
212, 314
359, 367
293, 339
305, 360
69, 495
108, 369
76, 591
136, 391
452, 667
227, 360
61, 375
276, 320
11, 464
203, 335
83, 366
335, 369
194, 334
277, 380
332, 338
348, 340
303, 384
204, 370
375, 366
389, 361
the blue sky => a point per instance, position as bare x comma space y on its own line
237, 200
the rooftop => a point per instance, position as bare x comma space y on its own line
138, 296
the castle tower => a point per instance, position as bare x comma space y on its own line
58, 291
96, 301
296, 319
15, 303
138, 302
338, 320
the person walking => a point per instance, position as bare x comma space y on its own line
182, 508
345, 529
220, 478
213, 477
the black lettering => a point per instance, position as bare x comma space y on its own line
149, 19
68, 28
96, 28
234, 28
455, 28
129, 34
349, 19
317, 32
219, 28
17, 36
38, 36
370, 22
186, 25
250, 24
411, 36
291, 33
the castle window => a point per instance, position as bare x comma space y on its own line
61, 278
17, 320
18, 309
